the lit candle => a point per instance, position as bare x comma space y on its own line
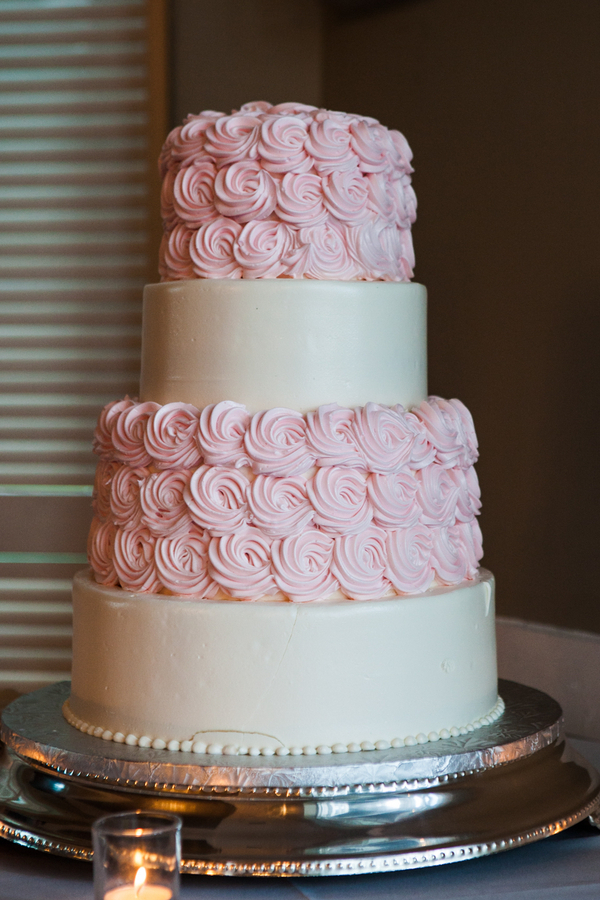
137, 856
139, 890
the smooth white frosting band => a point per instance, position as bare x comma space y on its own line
283, 674
280, 342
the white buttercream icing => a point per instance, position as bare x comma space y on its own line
280, 342
270, 675
201, 747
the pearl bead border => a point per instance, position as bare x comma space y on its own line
146, 742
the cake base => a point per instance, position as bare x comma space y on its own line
509, 784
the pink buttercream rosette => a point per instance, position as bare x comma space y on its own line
182, 564
390, 507
286, 191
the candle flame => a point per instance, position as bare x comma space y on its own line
138, 881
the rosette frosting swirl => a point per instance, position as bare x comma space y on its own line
346, 195
101, 543
366, 245
323, 253
409, 559
221, 434
340, 183
129, 433
187, 142
477, 539
276, 443
422, 452
167, 206
448, 555
125, 504
134, 560
105, 472
394, 499
170, 436
281, 144
383, 437
261, 247
360, 563
302, 566
368, 145
241, 564
450, 430
230, 139
437, 494
469, 535
300, 199
245, 192
330, 435
212, 249
164, 510
280, 506
182, 564
329, 143
468, 503
194, 193
216, 498
380, 201
103, 433
339, 498
473, 489
175, 263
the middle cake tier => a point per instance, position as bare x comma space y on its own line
288, 343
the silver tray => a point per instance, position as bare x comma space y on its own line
503, 786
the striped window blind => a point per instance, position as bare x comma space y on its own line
81, 118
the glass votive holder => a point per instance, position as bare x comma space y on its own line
137, 856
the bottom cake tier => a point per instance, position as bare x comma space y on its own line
265, 677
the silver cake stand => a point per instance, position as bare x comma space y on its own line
503, 786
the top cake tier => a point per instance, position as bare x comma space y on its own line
286, 191
285, 264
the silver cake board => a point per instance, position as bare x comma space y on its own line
502, 786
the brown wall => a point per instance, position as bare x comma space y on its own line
500, 102
227, 52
